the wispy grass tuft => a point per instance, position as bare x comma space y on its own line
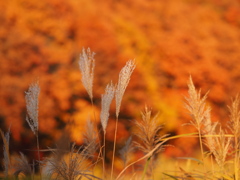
148, 134
71, 167
90, 140
22, 166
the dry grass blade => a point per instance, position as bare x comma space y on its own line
147, 132
126, 150
123, 80
6, 155
90, 139
198, 110
222, 146
31, 97
23, 166
87, 65
149, 154
106, 102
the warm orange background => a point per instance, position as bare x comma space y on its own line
170, 39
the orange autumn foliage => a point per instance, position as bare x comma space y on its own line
169, 40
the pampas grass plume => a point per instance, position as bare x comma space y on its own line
123, 80
106, 102
31, 97
87, 65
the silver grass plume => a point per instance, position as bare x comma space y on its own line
123, 80
106, 102
31, 97
6, 156
86, 65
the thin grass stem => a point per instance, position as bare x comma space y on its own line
201, 147
39, 162
114, 146
104, 153
146, 167
236, 158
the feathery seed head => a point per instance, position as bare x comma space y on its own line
106, 102
148, 132
234, 123
87, 65
31, 97
196, 105
123, 80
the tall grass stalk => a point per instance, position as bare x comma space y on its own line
234, 125
145, 168
87, 65
123, 80
104, 115
31, 97
198, 111
148, 130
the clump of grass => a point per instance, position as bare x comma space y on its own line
234, 126
71, 167
22, 167
148, 134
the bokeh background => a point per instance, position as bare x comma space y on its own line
170, 40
